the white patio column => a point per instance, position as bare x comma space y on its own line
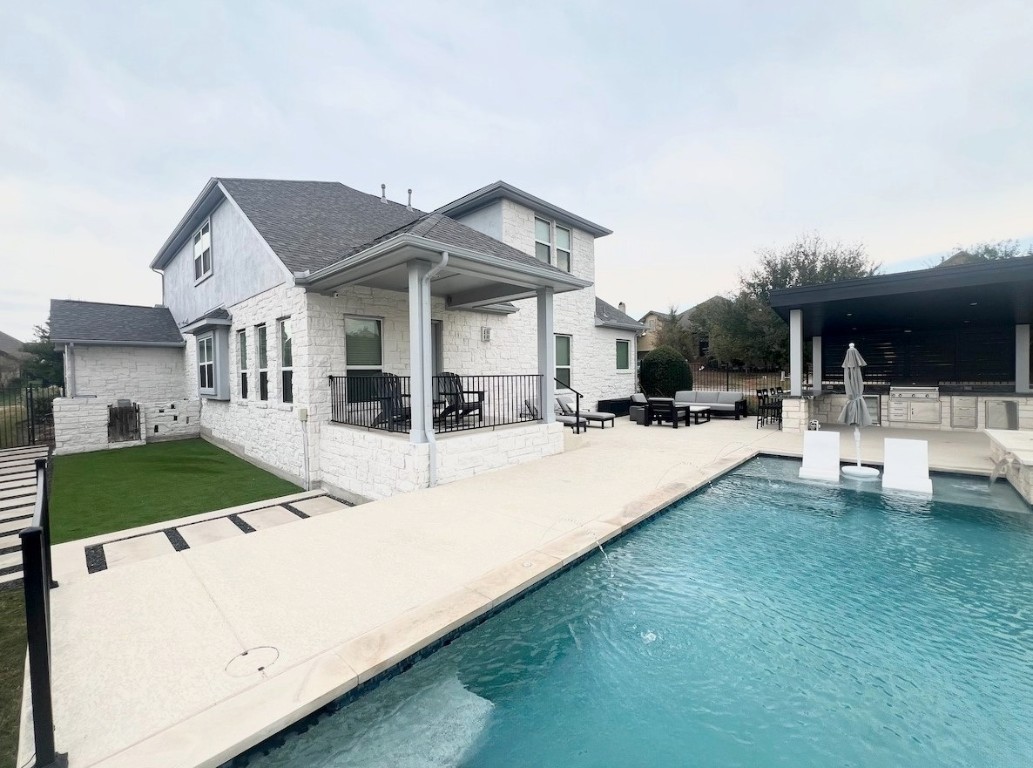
796, 352
419, 329
816, 363
1022, 358
546, 355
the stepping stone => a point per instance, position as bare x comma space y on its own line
268, 517
137, 548
318, 506
18, 482
210, 530
27, 490
18, 501
13, 526
7, 578
10, 559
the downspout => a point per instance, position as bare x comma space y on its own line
70, 383
428, 365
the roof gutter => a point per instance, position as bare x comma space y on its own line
619, 326
119, 343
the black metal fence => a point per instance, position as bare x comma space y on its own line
37, 581
383, 401
746, 382
27, 414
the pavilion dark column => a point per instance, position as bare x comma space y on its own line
816, 363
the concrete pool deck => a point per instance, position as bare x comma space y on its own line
148, 657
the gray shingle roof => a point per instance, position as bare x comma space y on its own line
312, 224
117, 323
10, 346
609, 315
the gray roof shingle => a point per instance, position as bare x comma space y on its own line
312, 224
118, 323
609, 315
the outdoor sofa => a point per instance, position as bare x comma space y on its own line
725, 403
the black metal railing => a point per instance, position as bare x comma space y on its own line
577, 405
37, 581
26, 414
459, 403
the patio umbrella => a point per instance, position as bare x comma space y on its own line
856, 409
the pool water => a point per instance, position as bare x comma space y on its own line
762, 621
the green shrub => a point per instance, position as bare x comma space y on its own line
664, 371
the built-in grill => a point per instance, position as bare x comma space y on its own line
918, 405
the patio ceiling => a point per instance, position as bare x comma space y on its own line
992, 294
469, 280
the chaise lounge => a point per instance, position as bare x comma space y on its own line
565, 406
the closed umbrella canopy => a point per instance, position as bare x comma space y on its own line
856, 409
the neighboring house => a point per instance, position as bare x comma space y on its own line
11, 358
309, 327
652, 321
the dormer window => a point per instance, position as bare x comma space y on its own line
203, 251
552, 244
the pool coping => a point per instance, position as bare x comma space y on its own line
224, 734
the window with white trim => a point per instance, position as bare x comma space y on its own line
286, 361
206, 364
623, 355
242, 358
263, 362
543, 240
203, 251
552, 243
364, 355
563, 349
562, 259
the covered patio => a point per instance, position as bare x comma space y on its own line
955, 337
425, 298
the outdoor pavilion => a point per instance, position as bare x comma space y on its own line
963, 329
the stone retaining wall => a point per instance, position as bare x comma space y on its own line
81, 424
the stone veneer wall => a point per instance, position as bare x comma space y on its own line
1019, 473
81, 424
796, 412
375, 465
140, 374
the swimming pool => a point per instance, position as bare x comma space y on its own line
762, 621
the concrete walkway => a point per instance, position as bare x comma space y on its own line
187, 658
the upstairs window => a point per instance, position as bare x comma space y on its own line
286, 361
552, 244
543, 240
242, 356
206, 364
203, 251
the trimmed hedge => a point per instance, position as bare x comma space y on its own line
664, 371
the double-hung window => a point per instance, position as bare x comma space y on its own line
203, 251
562, 260
623, 355
563, 344
286, 361
242, 357
364, 355
263, 362
206, 364
543, 240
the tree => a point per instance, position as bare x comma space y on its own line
810, 260
46, 364
982, 252
746, 331
664, 371
673, 333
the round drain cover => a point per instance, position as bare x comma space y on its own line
252, 661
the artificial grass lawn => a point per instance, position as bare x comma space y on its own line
12, 667
94, 493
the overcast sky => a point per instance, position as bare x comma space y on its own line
697, 131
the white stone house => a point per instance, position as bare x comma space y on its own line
297, 305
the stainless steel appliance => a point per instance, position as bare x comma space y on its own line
914, 405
